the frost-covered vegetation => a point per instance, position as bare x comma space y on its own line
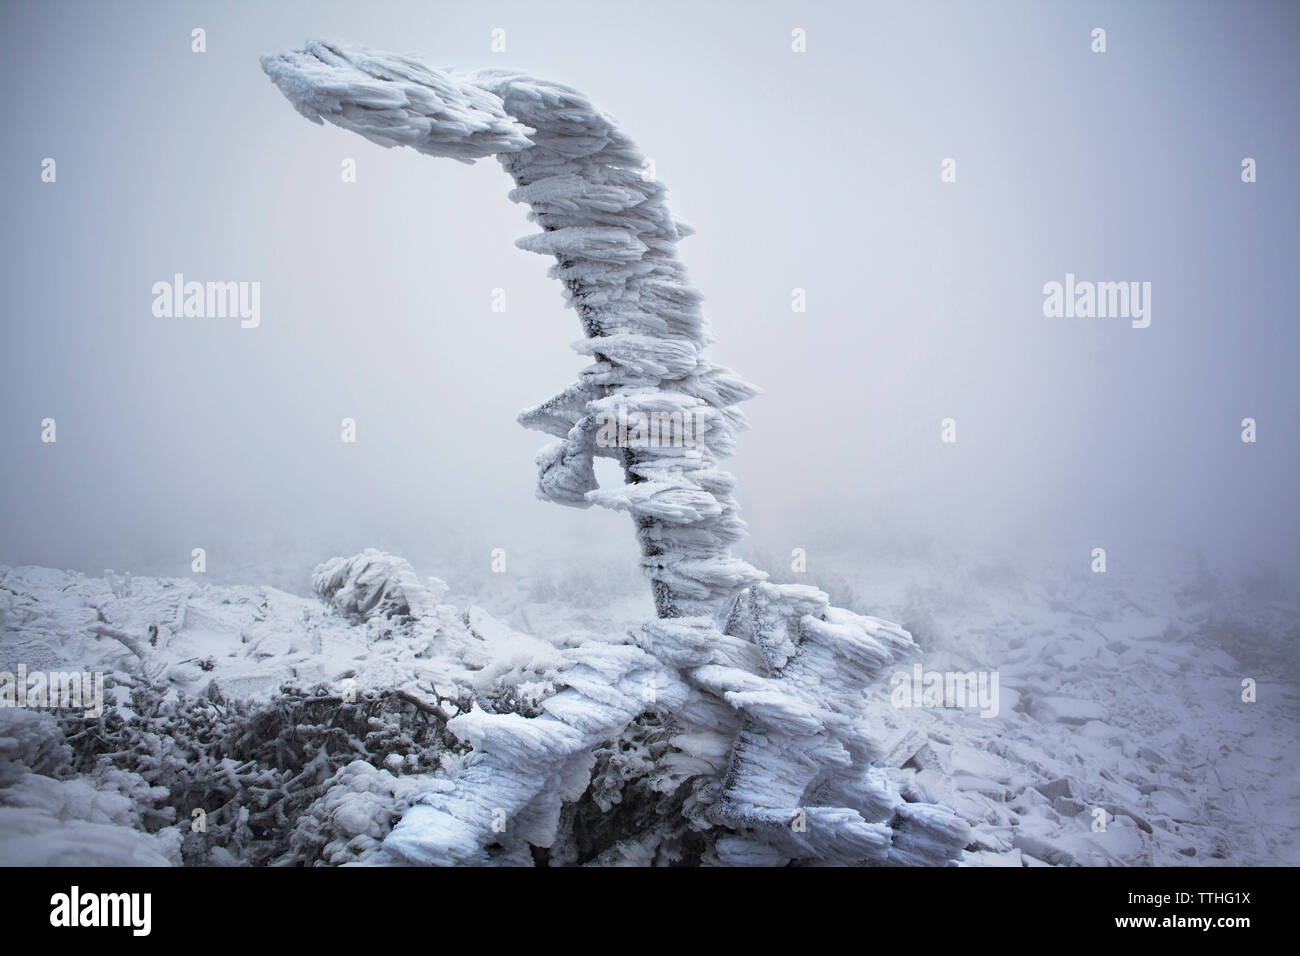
763, 683
1114, 696
748, 723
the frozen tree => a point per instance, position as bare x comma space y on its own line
762, 684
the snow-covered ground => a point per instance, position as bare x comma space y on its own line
1121, 738
1119, 694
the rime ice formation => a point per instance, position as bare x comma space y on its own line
371, 584
763, 683
1141, 660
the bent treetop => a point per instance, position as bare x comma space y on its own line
763, 683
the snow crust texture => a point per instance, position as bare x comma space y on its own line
1120, 702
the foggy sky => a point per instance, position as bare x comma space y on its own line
818, 170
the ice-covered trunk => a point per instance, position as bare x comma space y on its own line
613, 238
651, 399
763, 682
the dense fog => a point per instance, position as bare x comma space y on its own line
819, 171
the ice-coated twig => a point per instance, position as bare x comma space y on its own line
132, 644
